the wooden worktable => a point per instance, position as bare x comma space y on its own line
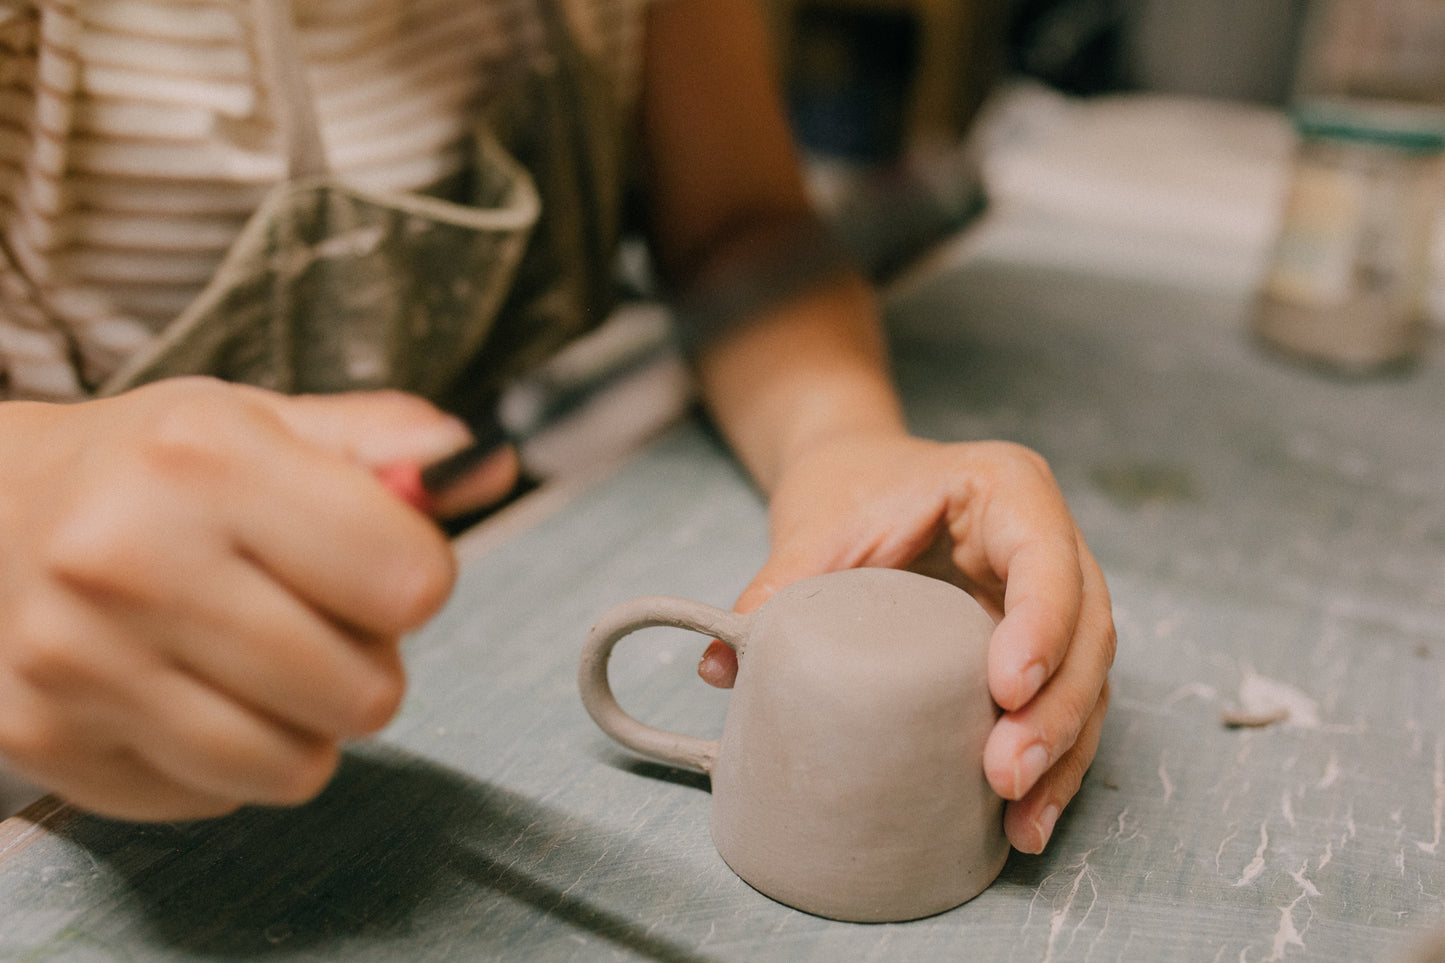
1274, 540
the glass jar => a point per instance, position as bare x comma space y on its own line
1347, 282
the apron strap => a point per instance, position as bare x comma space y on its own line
279, 51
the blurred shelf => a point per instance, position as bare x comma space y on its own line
954, 52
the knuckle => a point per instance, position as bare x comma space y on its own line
45, 651
1010, 452
1073, 718
109, 525
182, 441
421, 581
379, 702
28, 741
1111, 645
113, 547
308, 774
1059, 628
1068, 775
94, 547
189, 436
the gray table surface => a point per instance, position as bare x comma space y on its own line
1272, 538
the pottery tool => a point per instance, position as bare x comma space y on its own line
420, 485
556, 391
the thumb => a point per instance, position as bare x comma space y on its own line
719, 664
376, 427
399, 433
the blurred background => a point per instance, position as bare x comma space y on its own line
868, 79
1152, 135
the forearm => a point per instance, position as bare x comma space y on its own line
785, 338
811, 368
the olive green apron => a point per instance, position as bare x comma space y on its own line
329, 288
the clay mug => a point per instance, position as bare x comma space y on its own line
848, 781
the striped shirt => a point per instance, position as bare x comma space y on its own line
137, 136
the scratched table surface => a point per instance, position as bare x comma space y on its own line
1275, 544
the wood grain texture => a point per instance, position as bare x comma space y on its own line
1292, 557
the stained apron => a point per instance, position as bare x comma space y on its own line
329, 288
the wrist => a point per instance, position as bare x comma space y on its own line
839, 412
813, 372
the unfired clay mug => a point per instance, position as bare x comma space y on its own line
849, 780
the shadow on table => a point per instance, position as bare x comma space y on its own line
661, 772
398, 850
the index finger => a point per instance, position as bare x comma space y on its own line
331, 532
1043, 597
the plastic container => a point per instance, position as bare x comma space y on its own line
1347, 281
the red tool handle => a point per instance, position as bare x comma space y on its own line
404, 480
417, 485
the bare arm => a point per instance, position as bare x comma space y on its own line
725, 182
802, 391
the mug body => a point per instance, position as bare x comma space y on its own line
850, 779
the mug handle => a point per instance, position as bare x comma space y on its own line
673, 748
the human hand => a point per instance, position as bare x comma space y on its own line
989, 517
382, 429
203, 590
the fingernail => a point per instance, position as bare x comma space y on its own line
1045, 825
1030, 766
1031, 681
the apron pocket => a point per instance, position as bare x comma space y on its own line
328, 288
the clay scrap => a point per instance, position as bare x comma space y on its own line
1253, 720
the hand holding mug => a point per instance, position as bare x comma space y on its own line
849, 778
